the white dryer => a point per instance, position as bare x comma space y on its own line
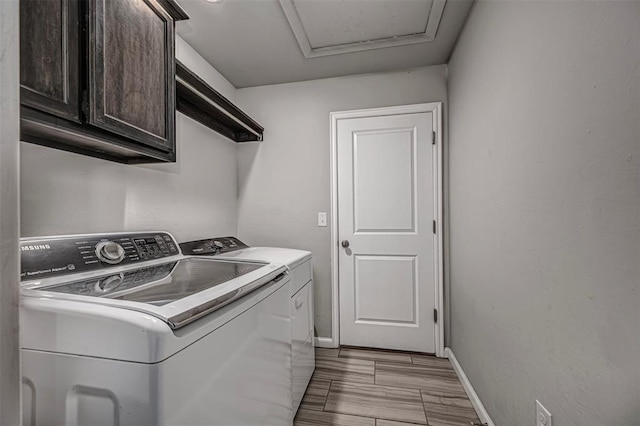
122, 329
299, 264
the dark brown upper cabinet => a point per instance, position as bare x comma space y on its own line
131, 72
50, 57
98, 77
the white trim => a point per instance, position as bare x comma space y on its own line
335, 296
435, 108
428, 35
324, 342
438, 214
468, 388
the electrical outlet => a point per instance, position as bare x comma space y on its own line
543, 416
322, 218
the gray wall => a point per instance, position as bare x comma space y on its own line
545, 214
284, 182
196, 196
10, 377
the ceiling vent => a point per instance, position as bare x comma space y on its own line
325, 28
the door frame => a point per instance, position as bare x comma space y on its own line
435, 108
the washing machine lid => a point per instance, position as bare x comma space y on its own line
290, 257
177, 292
233, 248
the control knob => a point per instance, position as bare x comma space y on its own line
110, 252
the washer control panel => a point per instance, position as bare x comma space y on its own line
212, 246
48, 257
155, 246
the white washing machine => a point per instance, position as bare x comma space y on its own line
299, 264
123, 329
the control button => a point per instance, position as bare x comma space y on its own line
143, 254
110, 252
109, 283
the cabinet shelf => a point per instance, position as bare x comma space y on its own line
198, 100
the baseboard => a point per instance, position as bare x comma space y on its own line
471, 393
325, 342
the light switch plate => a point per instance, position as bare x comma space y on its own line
322, 218
543, 416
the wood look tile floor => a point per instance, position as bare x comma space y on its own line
369, 387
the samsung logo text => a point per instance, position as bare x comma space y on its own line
36, 247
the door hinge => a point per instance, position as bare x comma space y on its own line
434, 226
433, 138
85, 103
435, 315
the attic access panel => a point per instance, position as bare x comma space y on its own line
325, 28
196, 99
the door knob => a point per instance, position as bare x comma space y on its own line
345, 243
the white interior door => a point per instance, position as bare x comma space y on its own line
386, 209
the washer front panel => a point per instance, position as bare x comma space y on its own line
49, 257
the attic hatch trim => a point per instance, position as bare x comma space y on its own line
429, 34
198, 100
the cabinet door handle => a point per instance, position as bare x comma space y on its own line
298, 302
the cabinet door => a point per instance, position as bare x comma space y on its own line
49, 60
132, 70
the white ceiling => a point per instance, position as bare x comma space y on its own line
252, 43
